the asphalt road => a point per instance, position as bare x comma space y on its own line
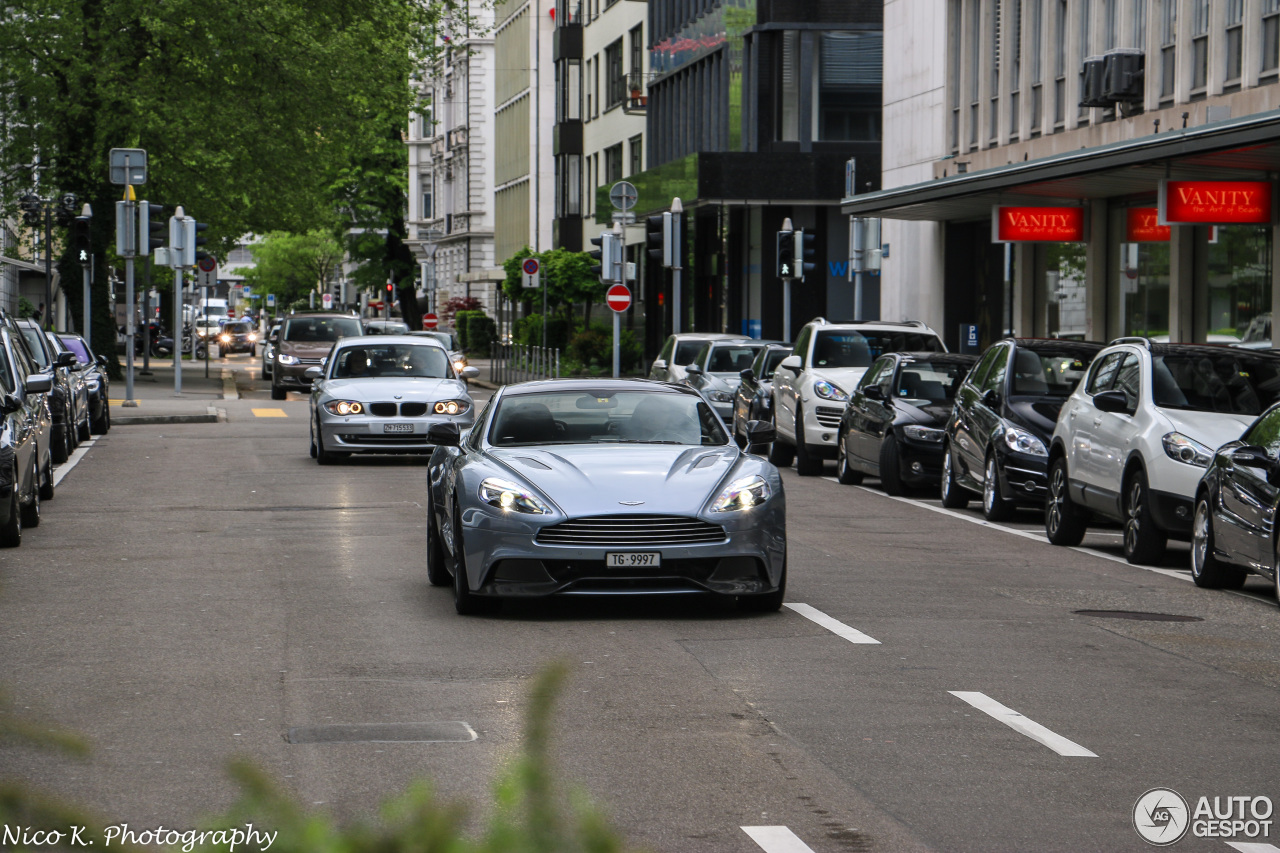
196, 591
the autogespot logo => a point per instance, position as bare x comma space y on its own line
1160, 816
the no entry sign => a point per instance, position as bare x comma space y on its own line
430, 321
618, 298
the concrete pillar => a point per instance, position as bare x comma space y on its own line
1095, 275
1024, 290
1200, 285
1182, 276
1275, 277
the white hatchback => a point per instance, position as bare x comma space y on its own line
1133, 440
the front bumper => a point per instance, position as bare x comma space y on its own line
366, 434
504, 559
921, 462
292, 375
1023, 477
1172, 513
822, 427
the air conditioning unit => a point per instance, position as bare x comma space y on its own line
1091, 94
1122, 74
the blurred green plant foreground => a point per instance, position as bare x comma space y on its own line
530, 813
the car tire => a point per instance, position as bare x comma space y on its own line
807, 464
891, 467
1063, 523
31, 512
769, 602
437, 571
1275, 573
465, 602
995, 506
953, 495
781, 454
11, 531
102, 423
84, 432
277, 393
1207, 570
58, 445
322, 456
844, 471
46, 482
1144, 543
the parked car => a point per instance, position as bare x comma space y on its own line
753, 401
93, 370
303, 342
68, 399
238, 336
677, 353
1237, 499
269, 349
571, 487
997, 441
26, 464
895, 424
1134, 439
716, 372
381, 394
811, 386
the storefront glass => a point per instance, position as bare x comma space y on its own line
1239, 279
1063, 297
1139, 267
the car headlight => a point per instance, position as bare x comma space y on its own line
827, 391
509, 497
720, 396
1023, 441
1186, 449
253, 337
450, 407
344, 407
226, 339
285, 358
742, 494
268, 351
924, 433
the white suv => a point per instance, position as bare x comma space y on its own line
1134, 438
812, 385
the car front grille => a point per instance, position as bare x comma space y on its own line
828, 416
389, 410
383, 410
413, 410
310, 360
631, 531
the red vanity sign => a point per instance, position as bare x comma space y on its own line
1142, 225
1215, 202
1037, 224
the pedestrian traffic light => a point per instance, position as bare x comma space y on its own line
786, 254
658, 232
805, 253
152, 221
82, 237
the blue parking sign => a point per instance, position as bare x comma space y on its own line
271, 300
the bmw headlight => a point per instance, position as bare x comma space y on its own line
720, 396
450, 407
827, 391
345, 407
924, 433
285, 358
1186, 449
509, 497
742, 494
1023, 441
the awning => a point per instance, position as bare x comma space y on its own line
26, 265
1246, 148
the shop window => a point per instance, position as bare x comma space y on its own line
1063, 303
1239, 279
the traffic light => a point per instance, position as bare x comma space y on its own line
786, 254
197, 241
178, 239
658, 232
66, 208
152, 222
805, 253
82, 237
606, 255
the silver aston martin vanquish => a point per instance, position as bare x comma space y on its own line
603, 487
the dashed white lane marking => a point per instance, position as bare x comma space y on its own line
1019, 723
777, 839
835, 626
72, 461
1253, 847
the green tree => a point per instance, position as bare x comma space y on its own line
566, 275
292, 265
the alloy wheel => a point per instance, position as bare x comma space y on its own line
1057, 500
1199, 538
989, 487
1133, 519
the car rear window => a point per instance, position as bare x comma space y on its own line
686, 350
1229, 382
926, 383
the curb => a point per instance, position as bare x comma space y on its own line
165, 419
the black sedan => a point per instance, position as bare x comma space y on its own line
753, 401
93, 370
26, 469
999, 431
1236, 506
893, 425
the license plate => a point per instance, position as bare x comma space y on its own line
644, 560
397, 427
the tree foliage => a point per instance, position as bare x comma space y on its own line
566, 275
291, 265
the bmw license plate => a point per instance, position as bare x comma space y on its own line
643, 560
397, 427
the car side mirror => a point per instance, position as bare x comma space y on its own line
693, 370
991, 398
444, 435
1252, 457
313, 373
101, 360
660, 364
747, 375
9, 404
470, 372
66, 359
760, 432
1111, 401
792, 363
873, 392
38, 383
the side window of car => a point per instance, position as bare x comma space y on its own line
1265, 432
979, 371
478, 428
802, 346
1129, 380
667, 349
1104, 371
994, 380
876, 372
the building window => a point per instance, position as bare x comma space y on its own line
789, 97
1168, 45
1235, 36
568, 185
1035, 12
637, 154
1015, 67
975, 70
1199, 45
953, 75
994, 93
615, 78
850, 69
1060, 63
613, 164
637, 49
1110, 24
427, 212
568, 90
1270, 36
1084, 13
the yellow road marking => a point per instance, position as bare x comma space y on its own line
269, 413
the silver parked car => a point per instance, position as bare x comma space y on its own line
380, 394
580, 487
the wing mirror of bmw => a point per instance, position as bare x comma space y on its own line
66, 359
1111, 401
1257, 457
444, 435
470, 372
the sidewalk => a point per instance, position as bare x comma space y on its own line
156, 402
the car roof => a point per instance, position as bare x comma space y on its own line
610, 386
885, 325
383, 340
940, 357
706, 336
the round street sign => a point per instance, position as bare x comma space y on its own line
430, 321
623, 195
207, 264
530, 266
618, 298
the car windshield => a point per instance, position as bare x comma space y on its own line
1044, 373
391, 361
1229, 382
605, 417
237, 328
386, 328
923, 383
77, 346
321, 329
834, 348
38, 352
686, 351
732, 358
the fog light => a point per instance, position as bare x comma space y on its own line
826, 436
1030, 486
916, 467
1182, 512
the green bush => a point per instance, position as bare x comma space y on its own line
591, 348
481, 330
528, 330
461, 320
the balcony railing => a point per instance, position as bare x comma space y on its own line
636, 84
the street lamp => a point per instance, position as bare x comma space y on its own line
34, 209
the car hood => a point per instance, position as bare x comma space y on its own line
305, 349
846, 378
933, 414
1212, 429
1039, 415
407, 388
593, 479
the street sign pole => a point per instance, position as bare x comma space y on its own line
178, 332
146, 319
617, 342
618, 298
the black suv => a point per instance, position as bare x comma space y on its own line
238, 336
68, 401
997, 441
